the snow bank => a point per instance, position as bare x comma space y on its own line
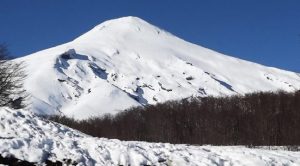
31, 138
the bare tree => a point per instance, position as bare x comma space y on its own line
12, 76
257, 119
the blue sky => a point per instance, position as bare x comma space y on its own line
263, 31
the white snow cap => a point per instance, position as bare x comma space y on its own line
128, 62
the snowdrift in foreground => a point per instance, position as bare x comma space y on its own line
128, 62
31, 138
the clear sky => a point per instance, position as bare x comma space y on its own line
263, 31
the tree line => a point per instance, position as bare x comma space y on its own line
269, 118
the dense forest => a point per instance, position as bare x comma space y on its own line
254, 119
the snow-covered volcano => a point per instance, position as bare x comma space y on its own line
128, 62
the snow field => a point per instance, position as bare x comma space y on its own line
29, 137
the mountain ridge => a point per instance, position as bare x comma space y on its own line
128, 62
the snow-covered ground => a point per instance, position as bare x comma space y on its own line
128, 62
31, 138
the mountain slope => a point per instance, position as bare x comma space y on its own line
26, 136
128, 62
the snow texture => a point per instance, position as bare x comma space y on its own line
26, 136
128, 62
